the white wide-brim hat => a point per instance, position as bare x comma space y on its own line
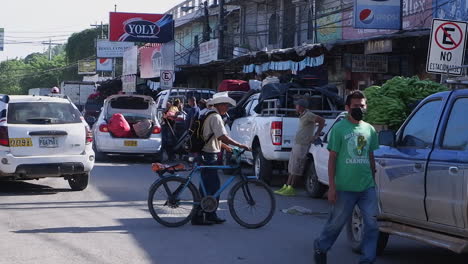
222, 98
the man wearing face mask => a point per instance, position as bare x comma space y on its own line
351, 171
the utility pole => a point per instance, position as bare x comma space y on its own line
102, 28
221, 30
50, 43
206, 26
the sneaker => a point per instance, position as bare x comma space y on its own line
289, 191
281, 190
320, 257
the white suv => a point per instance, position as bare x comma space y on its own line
134, 108
44, 136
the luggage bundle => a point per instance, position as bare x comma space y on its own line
120, 128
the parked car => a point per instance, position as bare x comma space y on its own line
268, 125
44, 136
134, 108
421, 176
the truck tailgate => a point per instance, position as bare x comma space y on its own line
290, 126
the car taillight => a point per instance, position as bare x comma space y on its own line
4, 140
156, 130
89, 136
277, 133
104, 128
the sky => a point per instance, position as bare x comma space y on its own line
37, 21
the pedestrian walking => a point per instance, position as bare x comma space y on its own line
304, 137
193, 112
215, 134
351, 171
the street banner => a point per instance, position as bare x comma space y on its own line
104, 65
208, 51
447, 46
130, 61
134, 27
167, 79
155, 57
128, 83
378, 14
2, 38
451, 9
108, 49
86, 67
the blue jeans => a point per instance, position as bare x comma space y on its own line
340, 214
210, 176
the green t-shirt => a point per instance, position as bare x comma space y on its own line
352, 143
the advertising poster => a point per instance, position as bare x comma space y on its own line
329, 26
208, 51
104, 65
109, 49
128, 83
451, 9
86, 67
130, 63
378, 14
156, 57
134, 27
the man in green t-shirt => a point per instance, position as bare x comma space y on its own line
351, 170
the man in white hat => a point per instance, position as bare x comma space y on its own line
215, 134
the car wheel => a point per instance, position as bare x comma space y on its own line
79, 182
355, 231
262, 167
313, 187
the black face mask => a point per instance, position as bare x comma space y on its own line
358, 113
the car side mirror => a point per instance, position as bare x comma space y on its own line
387, 138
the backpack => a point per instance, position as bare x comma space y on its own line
196, 142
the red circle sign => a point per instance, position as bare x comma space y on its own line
449, 36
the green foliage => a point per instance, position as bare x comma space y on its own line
391, 103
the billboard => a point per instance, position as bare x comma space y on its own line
378, 14
134, 27
86, 67
155, 58
329, 26
208, 51
104, 64
2, 38
130, 61
108, 49
129, 83
451, 9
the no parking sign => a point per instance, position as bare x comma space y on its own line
447, 46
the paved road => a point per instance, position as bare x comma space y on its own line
44, 222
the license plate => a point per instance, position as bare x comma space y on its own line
130, 143
48, 142
20, 142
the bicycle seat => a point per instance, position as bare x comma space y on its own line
157, 167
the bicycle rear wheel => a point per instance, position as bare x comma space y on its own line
170, 203
251, 203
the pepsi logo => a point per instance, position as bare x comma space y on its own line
366, 16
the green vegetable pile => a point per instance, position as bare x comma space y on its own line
391, 103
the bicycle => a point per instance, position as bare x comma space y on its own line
180, 199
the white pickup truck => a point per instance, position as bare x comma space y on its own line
271, 132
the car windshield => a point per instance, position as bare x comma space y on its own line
42, 113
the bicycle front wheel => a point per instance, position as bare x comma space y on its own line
172, 202
251, 203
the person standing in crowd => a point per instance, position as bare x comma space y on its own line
193, 113
304, 137
351, 174
215, 134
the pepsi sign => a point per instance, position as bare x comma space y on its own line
378, 14
148, 28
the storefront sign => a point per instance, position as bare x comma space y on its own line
378, 14
133, 27
329, 25
108, 49
86, 67
369, 63
378, 46
2, 38
208, 51
451, 9
104, 65
130, 63
167, 79
447, 46
129, 83
155, 57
